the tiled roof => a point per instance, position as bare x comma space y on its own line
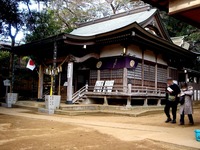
113, 24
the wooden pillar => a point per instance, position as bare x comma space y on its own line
125, 80
98, 75
145, 102
159, 102
105, 101
128, 105
40, 82
129, 97
69, 81
59, 82
156, 74
186, 77
11, 72
168, 75
142, 67
54, 67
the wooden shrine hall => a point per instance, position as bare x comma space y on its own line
124, 57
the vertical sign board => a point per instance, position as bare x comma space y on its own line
49, 102
7, 96
6, 82
108, 86
98, 86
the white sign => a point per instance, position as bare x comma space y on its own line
6, 82
108, 86
98, 86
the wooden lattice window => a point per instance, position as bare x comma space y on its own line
162, 74
135, 73
149, 72
116, 73
111, 74
105, 74
173, 73
93, 74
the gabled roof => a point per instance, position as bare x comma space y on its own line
128, 26
143, 16
113, 24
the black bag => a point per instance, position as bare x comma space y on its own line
182, 99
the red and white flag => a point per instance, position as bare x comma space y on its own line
30, 65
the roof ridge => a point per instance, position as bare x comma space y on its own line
133, 11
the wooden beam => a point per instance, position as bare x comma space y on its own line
156, 72
71, 57
176, 6
125, 80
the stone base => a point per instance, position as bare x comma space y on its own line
52, 101
12, 98
68, 102
46, 111
8, 105
40, 100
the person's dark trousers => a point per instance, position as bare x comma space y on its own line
182, 122
167, 109
190, 118
174, 109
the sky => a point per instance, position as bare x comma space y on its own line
33, 6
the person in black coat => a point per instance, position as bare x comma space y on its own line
171, 100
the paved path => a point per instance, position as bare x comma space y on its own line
122, 130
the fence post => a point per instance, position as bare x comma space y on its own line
146, 90
128, 104
129, 88
86, 88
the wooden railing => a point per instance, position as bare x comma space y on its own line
118, 90
149, 91
126, 90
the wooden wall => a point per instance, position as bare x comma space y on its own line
153, 73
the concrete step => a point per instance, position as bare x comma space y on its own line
95, 109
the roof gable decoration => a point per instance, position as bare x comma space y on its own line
179, 41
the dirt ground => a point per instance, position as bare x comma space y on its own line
25, 130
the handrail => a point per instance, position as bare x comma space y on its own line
78, 94
45, 93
